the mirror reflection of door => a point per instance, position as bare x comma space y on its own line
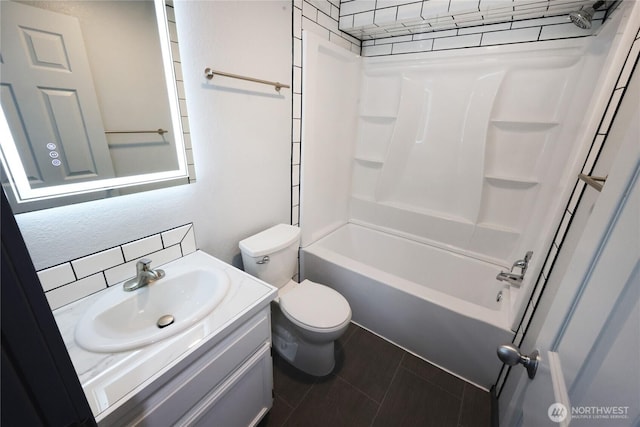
49, 99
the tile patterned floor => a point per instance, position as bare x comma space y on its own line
375, 384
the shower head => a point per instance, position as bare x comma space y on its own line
582, 18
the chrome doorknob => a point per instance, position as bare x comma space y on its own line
510, 354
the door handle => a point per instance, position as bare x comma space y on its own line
510, 354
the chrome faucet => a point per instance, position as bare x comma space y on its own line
514, 278
144, 275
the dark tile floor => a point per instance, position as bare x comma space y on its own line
375, 384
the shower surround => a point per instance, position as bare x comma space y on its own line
470, 152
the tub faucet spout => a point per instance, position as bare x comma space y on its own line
511, 278
144, 275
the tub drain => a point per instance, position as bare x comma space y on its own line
165, 321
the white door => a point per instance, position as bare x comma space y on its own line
49, 99
589, 369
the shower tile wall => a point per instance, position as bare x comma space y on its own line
182, 102
408, 26
78, 278
319, 17
325, 18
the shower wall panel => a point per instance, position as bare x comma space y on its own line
461, 150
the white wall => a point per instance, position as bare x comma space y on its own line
241, 142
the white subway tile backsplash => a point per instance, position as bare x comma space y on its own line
121, 272
435, 34
297, 52
434, 8
174, 236
188, 244
295, 197
126, 271
385, 16
312, 26
309, 11
484, 28
628, 66
297, 80
460, 7
376, 50
562, 230
297, 106
297, 23
108, 267
414, 46
340, 41
575, 197
356, 6
345, 22
537, 22
295, 154
322, 5
67, 294
562, 31
296, 130
295, 175
97, 262
546, 270
56, 276
335, 12
514, 36
409, 11
327, 22
172, 253
399, 39
472, 40
363, 19
611, 111
142, 247
593, 154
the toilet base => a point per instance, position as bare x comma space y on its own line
313, 358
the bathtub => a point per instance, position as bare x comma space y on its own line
437, 304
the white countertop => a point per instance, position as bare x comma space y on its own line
110, 379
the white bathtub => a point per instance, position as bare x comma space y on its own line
435, 303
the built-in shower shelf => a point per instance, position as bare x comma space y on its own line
371, 161
518, 182
524, 125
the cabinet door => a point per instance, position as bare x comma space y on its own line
243, 400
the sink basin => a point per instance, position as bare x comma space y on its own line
120, 320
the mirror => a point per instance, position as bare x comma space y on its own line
89, 101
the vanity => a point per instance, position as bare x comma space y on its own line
216, 371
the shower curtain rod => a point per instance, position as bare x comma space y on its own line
209, 73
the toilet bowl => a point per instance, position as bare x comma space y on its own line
307, 317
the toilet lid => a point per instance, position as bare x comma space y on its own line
315, 305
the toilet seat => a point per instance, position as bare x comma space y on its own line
315, 307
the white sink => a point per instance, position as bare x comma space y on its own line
120, 320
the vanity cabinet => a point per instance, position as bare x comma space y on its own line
225, 384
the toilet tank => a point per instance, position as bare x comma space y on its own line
272, 255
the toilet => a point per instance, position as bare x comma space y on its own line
307, 317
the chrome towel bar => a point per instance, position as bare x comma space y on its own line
209, 73
158, 131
